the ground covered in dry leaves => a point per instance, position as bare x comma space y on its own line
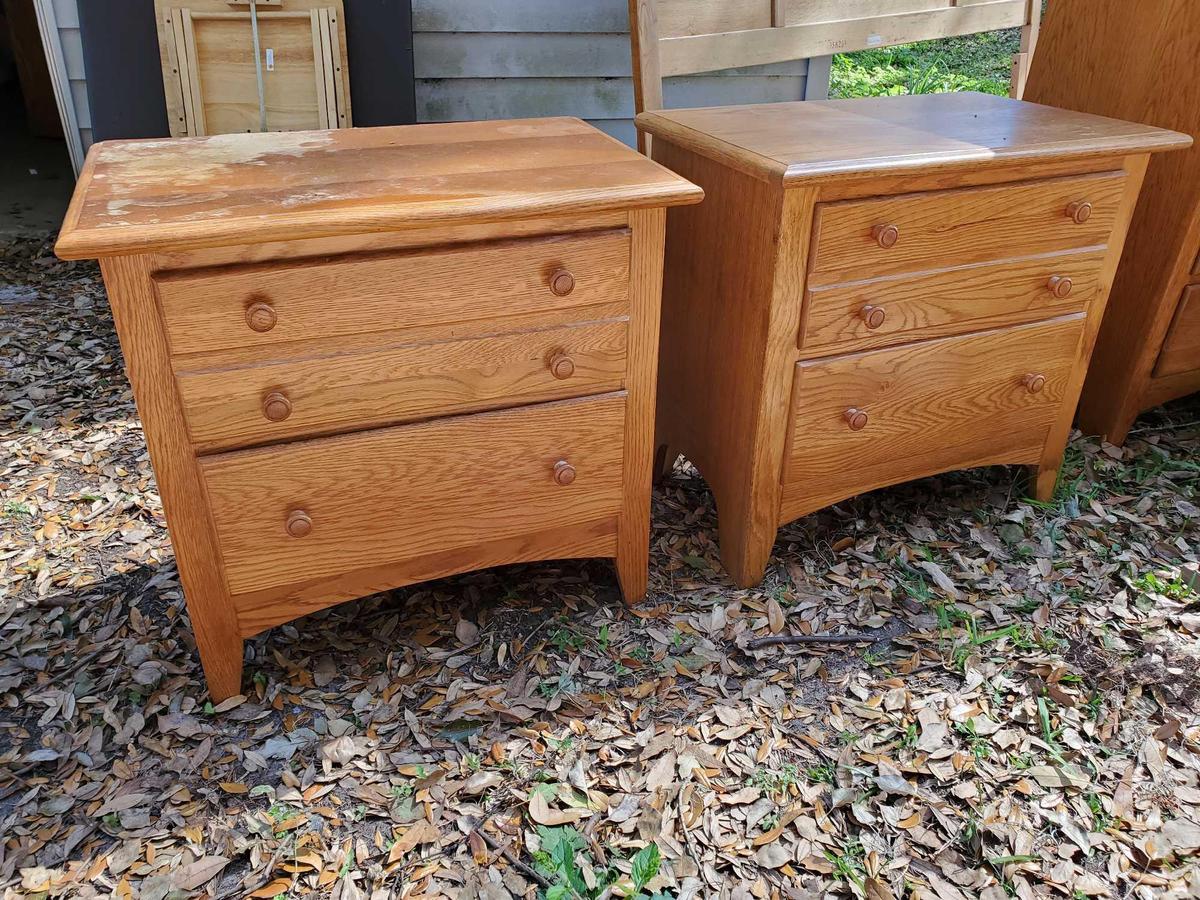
1023, 717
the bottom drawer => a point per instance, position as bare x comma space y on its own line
1181, 349
310, 510
863, 421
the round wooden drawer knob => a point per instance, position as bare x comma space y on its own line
261, 316
562, 366
1034, 383
299, 523
886, 236
562, 283
856, 419
874, 316
1080, 211
276, 406
564, 473
1060, 286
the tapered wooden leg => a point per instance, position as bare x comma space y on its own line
1045, 480
633, 571
744, 551
222, 654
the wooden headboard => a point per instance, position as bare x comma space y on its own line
683, 37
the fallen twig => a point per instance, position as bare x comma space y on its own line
511, 857
853, 638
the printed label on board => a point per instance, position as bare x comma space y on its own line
270, 59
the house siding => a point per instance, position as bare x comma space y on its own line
66, 15
496, 59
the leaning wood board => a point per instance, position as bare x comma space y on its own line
880, 290
371, 357
1100, 59
209, 75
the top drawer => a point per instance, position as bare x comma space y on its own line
889, 235
272, 303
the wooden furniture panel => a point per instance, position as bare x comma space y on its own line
683, 37
274, 401
287, 514
210, 75
924, 407
367, 358
1181, 349
268, 304
1100, 59
805, 361
864, 238
858, 315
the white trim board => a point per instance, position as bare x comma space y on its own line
57, 62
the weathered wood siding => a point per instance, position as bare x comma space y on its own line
498, 59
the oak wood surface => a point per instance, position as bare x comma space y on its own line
1099, 59
949, 339
960, 227
943, 302
927, 402
325, 394
197, 554
731, 311
798, 142
316, 299
186, 193
1181, 349
645, 301
379, 496
259, 610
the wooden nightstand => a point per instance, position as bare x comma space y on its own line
878, 290
372, 357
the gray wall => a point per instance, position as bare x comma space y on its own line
499, 59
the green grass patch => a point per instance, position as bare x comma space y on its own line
974, 62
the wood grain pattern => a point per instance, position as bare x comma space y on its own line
197, 555
259, 610
959, 398
946, 301
731, 309
877, 136
1094, 57
152, 196
961, 227
406, 492
645, 296
402, 383
966, 357
1181, 349
319, 298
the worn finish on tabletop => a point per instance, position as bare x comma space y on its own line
879, 290
368, 358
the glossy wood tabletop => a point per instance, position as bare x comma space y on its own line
802, 141
186, 193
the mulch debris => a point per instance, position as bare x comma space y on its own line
1020, 717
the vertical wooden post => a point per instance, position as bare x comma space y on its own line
1024, 58
641, 383
647, 75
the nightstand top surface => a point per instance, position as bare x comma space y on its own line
803, 141
186, 193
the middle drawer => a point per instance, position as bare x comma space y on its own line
277, 400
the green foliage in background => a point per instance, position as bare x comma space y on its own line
974, 62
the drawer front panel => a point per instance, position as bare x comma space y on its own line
262, 305
289, 514
1181, 349
250, 405
864, 314
959, 227
930, 406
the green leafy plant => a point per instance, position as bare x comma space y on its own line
561, 848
